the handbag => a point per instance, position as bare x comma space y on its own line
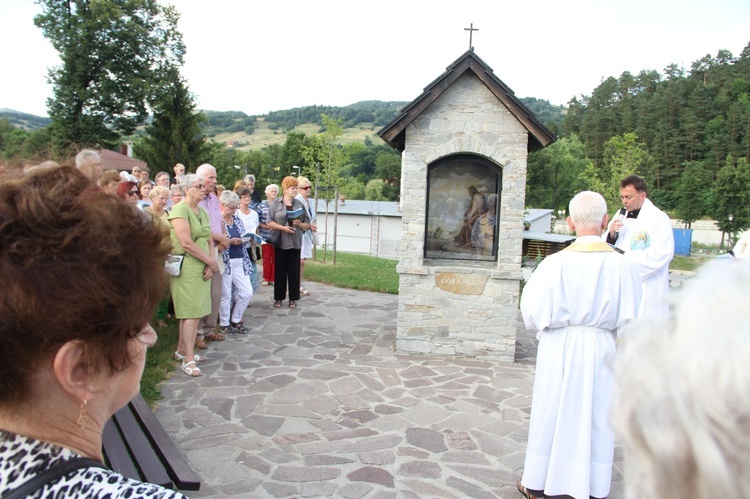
173, 265
274, 237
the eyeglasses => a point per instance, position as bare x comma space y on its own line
199, 186
231, 207
132, 193
306, 188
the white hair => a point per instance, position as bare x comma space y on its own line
587, 210
187, 181
229, 197
250, 178
86, 156
681, 409
205, 168
271, 187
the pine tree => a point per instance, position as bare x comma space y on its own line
174, 136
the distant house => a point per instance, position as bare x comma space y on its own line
364, 227
112, 160
374, 228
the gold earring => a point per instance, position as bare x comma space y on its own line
82, 416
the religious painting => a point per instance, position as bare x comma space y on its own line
463, 199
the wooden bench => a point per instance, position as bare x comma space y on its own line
137, 446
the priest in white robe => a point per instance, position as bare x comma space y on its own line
645, 234
577, 299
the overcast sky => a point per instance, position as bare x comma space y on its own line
258, 57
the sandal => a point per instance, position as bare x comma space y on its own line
523, 490
215, 337
292, 304
199, 343
277, 304
193, 372
303, 292
197, 358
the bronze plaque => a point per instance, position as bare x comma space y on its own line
461, 284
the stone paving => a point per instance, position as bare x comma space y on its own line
314, 402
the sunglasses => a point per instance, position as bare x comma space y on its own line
305, 188
199, 186
132, 193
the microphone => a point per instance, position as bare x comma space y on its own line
621, 216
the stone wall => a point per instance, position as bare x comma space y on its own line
450, 306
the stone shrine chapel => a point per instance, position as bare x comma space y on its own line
464, 143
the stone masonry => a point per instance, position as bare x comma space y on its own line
457, 307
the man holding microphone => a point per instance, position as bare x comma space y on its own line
643, 232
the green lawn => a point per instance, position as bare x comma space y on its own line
688, 263
160, 362
353, 271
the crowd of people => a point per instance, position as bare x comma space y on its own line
219, 235
75, 341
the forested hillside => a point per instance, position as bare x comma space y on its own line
24, 121
686, 131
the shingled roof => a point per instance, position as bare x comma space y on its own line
112, 160
539, 135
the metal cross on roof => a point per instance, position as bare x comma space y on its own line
471, 30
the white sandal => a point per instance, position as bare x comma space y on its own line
193, 372
197, 358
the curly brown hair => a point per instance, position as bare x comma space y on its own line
66, 273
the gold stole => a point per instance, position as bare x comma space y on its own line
597, 247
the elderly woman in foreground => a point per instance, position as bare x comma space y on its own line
682, 412
74, 337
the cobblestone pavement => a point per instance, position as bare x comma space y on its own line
314, 402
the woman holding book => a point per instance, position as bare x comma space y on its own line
287, 215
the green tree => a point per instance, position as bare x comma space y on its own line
623, 155
374, 190
693, 192
553, 173
174, 136
353, 189
11, 140
389, 169
324, 160
114, 54
731, 197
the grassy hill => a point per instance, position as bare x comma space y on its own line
25, 121
361, 120
264, 135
